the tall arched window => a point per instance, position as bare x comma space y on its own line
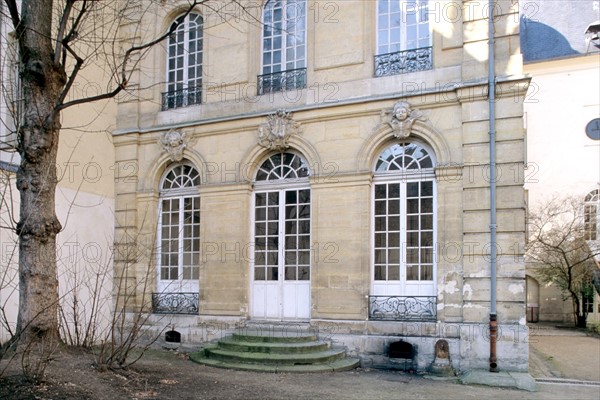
281, 230
283, 46
404, 222
184, 63
590, 215
179, 230
403, 37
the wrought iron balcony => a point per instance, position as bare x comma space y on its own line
402, 62
181, 98
175, 303
403, 308
282, 81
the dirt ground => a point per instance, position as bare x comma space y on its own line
163, 374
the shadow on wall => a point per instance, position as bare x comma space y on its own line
540, 41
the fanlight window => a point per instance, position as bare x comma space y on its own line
181, 176
590, 215
404, 156
286, 166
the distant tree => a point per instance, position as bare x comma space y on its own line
559, 252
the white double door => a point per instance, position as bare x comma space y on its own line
281, 267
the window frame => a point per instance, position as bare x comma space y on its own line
184, 92
281, 186
404, 177
180, 194
285, 78
284, 35
402, 44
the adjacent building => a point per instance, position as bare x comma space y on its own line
561, 51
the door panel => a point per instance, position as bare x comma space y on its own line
281, 268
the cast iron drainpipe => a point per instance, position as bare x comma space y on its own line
492, 117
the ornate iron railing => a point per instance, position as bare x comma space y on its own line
282, 81
403, 308
181, 98
402, 62
175, 303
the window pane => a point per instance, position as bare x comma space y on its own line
426, 272
290, 273
380, 273
393, 273
412, 273
259, 274
303, 273
272, 273
380, 240
394, 240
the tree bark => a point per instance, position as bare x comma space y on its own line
42, 81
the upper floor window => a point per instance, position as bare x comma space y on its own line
283, 46
403, 37
590, 215
184, 63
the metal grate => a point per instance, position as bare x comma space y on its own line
402, 62
403, 308
282, 81
181, 98
175, 303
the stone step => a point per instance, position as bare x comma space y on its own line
345, 364
320, 357
256, 334
272, 347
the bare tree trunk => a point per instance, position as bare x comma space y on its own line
42, 80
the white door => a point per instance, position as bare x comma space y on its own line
281, 264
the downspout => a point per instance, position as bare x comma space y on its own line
492, 122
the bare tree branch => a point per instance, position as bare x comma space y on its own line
125, 73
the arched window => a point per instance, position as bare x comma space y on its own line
283, 46
282, 166
179, 230
184, 63
404, 221
403, 37
282, 233
590, 215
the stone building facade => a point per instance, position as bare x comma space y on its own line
326, 166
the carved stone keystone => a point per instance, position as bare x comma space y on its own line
174, 143
401, 119
276, 132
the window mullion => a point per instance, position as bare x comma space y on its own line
403, 238
281, 235
186, 48
180, 246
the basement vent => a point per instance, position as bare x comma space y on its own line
400, 349
172, 337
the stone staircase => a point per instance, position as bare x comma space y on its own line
272, 349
